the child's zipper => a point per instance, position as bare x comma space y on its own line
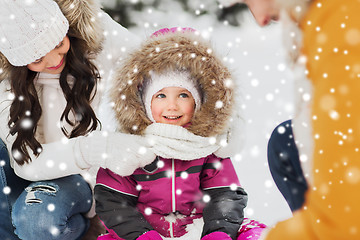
173, 202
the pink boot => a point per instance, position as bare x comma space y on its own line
105, 237
251, 229
151, 235
109, 236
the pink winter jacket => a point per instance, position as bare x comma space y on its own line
168, 195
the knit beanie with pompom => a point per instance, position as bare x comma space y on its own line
29, 29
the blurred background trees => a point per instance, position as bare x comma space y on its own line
123, 10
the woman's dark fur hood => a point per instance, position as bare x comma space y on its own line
83, 18
175, 51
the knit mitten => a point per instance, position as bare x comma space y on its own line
119, 152
150, 235
216, 236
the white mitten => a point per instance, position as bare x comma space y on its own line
121, 153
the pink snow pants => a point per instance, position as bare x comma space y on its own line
250, 229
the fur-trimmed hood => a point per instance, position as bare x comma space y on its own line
184, 50
82, 16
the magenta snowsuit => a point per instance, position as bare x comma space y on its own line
172, 186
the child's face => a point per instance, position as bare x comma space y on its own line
173, 105
54, 61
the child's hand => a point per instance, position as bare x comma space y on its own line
216, 236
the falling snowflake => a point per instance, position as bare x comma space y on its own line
206, 198
54, 231
6, 190
281, 129
219, 104
26, 123
51, 207
148, 211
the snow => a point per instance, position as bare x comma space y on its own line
256, 57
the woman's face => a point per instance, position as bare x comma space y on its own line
264, 11
54, 61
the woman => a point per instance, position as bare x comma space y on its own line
55, 60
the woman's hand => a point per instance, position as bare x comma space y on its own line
119, 152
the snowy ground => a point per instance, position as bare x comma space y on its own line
256, 57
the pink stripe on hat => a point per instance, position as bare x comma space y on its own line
164, 31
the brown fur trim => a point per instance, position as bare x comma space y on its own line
83, 17
175, 51
4, 67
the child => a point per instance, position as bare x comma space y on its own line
180, 96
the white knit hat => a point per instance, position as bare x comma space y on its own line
29, 29
157, 82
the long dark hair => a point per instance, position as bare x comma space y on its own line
25, 110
